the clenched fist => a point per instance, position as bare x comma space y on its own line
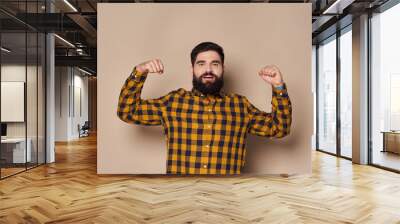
271, 75
152, 66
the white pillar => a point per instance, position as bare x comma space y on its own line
360, 90
50, 91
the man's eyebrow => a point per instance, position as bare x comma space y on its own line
203, 61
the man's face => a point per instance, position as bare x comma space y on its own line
208, 72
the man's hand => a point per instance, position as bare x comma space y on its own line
271, 75
152, 66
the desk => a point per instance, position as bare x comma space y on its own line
13, 150
391, 141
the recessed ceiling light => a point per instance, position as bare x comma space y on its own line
338, 6
64, 40
70, 5
84, 71
5, 49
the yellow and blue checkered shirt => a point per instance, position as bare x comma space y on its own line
205, 134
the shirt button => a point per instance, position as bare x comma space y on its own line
209, 110
280, 94
208, 146
208, 126
204, 166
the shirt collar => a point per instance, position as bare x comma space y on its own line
196, 92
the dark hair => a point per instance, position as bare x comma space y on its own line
206, 46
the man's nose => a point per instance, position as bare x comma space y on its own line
208, 68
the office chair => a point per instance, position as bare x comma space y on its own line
84, 130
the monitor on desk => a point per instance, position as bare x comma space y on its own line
3, 130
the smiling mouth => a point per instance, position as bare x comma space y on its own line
208, 77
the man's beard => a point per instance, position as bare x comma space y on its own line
208, 87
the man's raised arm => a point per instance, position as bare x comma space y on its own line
133, 109
277, 123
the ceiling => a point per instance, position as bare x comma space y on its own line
76, 22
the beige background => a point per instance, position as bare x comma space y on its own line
252, 35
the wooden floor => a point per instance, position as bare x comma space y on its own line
5, 172
70, 191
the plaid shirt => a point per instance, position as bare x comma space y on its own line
205, 134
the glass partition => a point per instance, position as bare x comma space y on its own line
346, 93
22, 78
327, 95
385, 89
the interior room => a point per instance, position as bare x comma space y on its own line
93, 136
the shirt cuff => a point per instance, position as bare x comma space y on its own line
137, 75
279, 87
280, 91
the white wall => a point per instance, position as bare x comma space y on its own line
16, 72
70, 83
34, 124
61, 103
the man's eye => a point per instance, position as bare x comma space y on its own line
216, 64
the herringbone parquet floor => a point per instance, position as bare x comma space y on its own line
70, 191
